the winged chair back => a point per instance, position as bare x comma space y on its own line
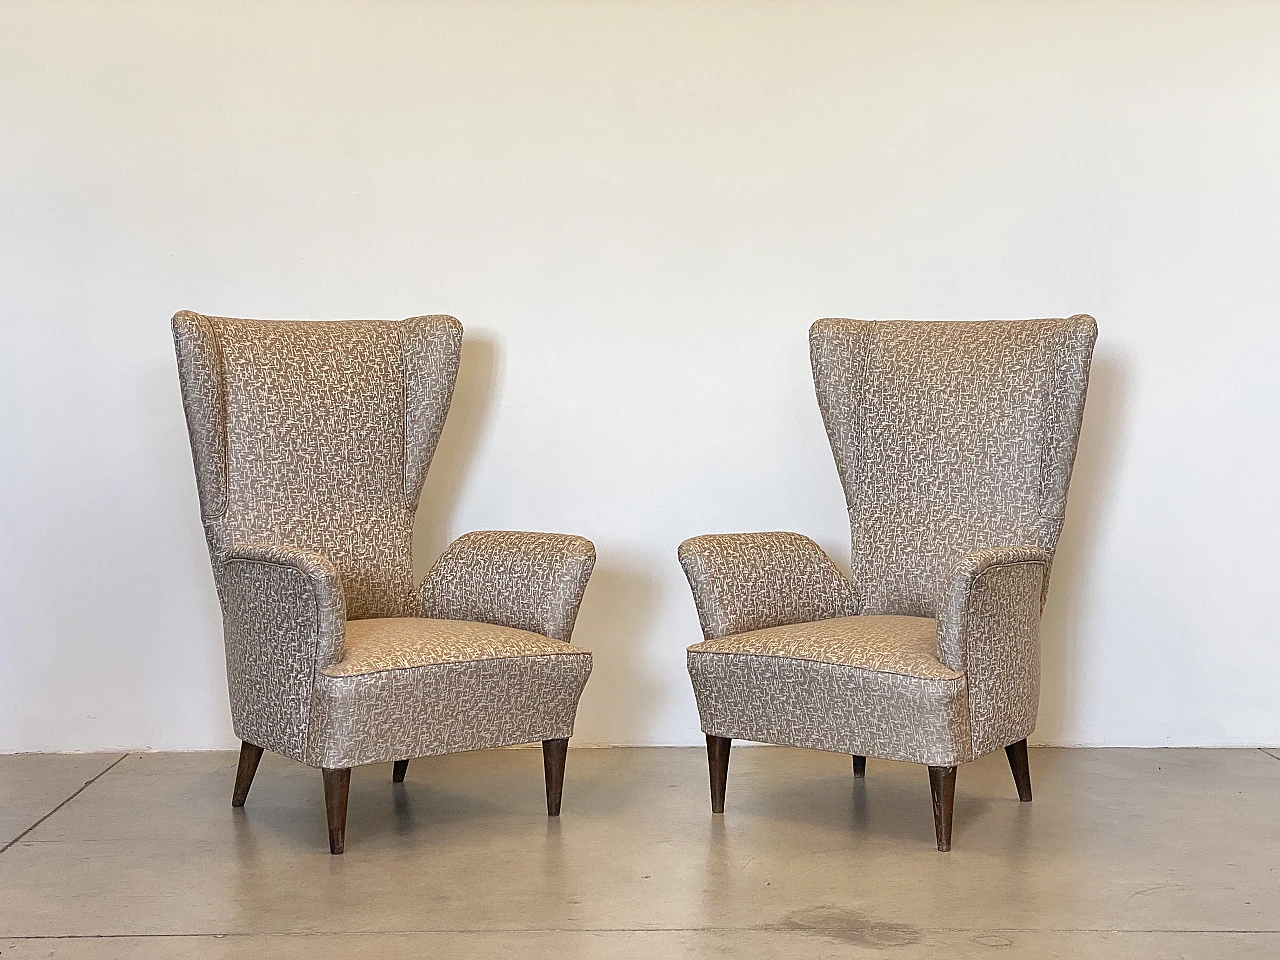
318, 435
949, 438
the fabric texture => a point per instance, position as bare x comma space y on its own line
990, 628
413, 687
906, 646
311, 442
828, 706
949, 438
750, 581
274, 638
870, 685
445, 708
954, 443
527, 581
403, 643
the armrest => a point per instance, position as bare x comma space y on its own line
750, 581
988, 590
989, 627
284, 618
527, 581
273, 585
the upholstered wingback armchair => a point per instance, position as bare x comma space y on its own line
311, 442
954, 442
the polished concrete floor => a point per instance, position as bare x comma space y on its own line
1124, 853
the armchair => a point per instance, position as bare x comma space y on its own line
954, 443
311, 441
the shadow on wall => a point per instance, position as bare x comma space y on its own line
451, 467
615, 624
1088, 507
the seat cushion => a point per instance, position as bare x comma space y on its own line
867, 685
411, 687
903, 645
400, 643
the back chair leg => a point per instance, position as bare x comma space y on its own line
249, 757
1017, 754
554, 755
398, 772
337, 784
942, 784
718, 765
859, 766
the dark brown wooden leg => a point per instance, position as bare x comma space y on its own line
249, 757
1017, 754
398, 772
337, 784
718, 764
859, 766
554, 754
942, 784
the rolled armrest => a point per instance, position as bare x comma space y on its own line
751, 581
527, 581
251, 597
987, 590
989, 627
284, 619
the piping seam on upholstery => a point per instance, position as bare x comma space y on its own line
960, 675
454, 663
223, 439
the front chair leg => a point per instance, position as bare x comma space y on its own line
554, 755
942, 784
718, 765
249, 757
399, 770
1017, 754
337, 784
859, 766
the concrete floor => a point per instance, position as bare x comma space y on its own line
1124, 853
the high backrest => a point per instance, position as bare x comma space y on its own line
949, 438
318, 435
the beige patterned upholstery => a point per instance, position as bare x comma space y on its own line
954, 442
749, 581
311, 442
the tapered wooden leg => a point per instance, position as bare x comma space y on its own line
398, 772
718, 764
554, 754
249, 757
859, 766
337, 784
942, 784
1017, 754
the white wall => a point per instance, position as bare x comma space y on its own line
637, 210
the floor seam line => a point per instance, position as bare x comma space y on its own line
1156, 931
87, 784
1274, 754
